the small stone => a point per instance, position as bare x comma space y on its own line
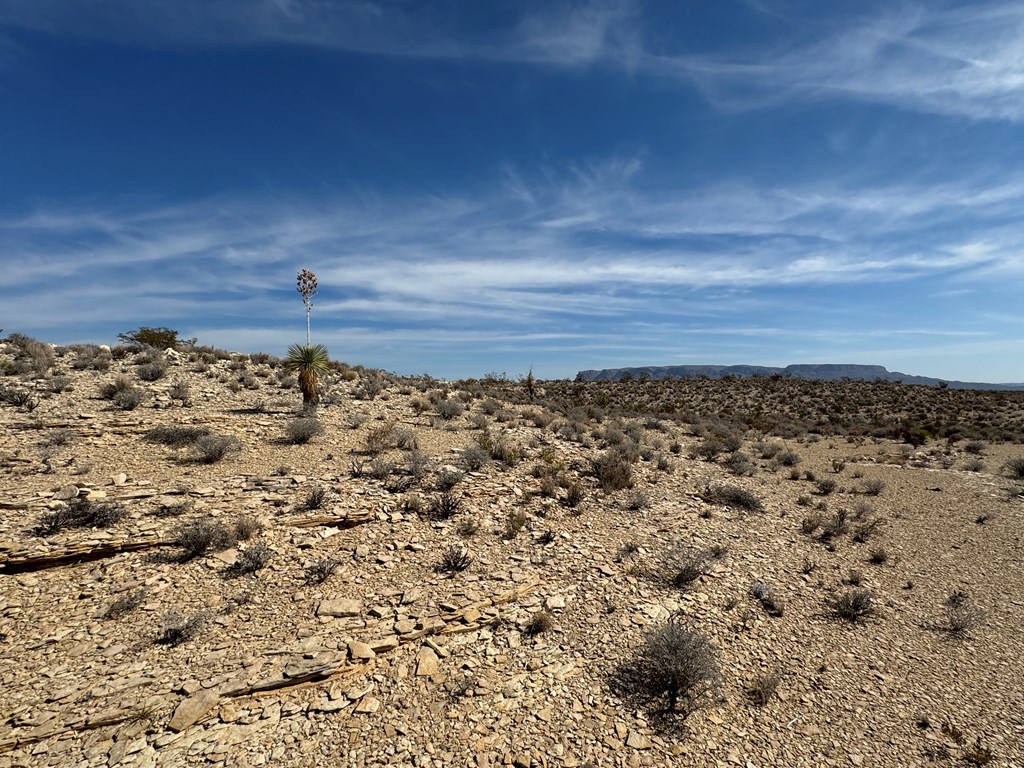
66, 492
367, 705
637, 740
359, 650
339, 608
426, 662
119, 479
555, 603
191, 710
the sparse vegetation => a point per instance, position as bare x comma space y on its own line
80, 512
854, 605
674, 672
300, 431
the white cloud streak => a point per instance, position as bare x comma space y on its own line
965, 60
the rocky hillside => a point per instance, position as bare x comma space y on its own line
819, 372
194, 572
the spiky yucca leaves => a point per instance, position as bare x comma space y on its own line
308, 361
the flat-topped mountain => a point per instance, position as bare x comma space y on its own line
816, 372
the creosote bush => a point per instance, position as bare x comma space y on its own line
674, 672
198, 537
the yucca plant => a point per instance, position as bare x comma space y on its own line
308, 361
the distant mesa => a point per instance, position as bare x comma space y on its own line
813, 372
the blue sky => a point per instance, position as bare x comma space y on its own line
490, 186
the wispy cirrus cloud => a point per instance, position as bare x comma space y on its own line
549, 254
963, 60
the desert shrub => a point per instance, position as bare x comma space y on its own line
198, 537
733, 496
16, 397
125, 604
31, 356
180, 390
151, 371
454, 559
836, 525
447, 479
380, 439
766, 595
514, 523
212, 448
315, 499
872, 486
868, 529
321, 570
974, 465
300, 431
1014, 468
637, 500
449, 409
79, 513
58, 384
708, 450
249, 560
853, 605
246, 527
683, 565
826, 486
539, 622
129, 399
444, 506
674, 672
975, 447
878, 556
474, 457
739, 464
962, 615
406, 440
763, 687
160, 338
175, 437
614, 471
120, 383
381, 469
574, 495
179, 629
788, 459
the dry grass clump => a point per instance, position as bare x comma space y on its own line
175, 436
962, 615
79, 513
854, 605
454, 559
763, 688
125, 604
444, 506
249, 560
179, 629
321, 570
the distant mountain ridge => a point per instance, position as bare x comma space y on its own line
815, 372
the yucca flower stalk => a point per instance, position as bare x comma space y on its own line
307, 287
308, 361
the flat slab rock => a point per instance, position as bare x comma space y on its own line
339, 608
192, 710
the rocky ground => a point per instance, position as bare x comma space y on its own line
319, 629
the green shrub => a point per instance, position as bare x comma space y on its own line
159, 338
